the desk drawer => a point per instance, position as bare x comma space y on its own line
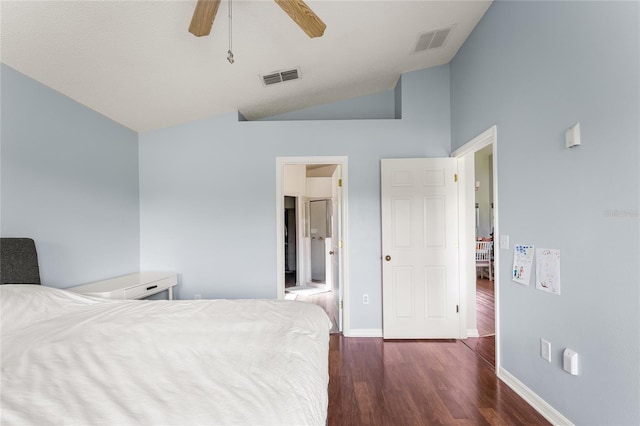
147, 289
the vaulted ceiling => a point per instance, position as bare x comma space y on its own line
136, 62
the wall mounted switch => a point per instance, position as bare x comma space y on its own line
504, 242
365, 299
545, 350
572, 136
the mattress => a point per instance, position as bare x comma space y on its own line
70, 359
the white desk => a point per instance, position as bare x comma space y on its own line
134, 286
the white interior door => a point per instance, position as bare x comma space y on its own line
419, 248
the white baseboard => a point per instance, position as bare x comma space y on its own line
472, 332
539, 404
364, 332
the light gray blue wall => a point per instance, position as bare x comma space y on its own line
380, 106
207, 192
535, 69
69, 181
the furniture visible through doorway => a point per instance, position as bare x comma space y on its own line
484, 255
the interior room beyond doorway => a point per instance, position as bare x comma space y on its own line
312, 218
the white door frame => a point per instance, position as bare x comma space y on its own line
281, 162
465, 155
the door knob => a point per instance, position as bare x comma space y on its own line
331, 252
387, 258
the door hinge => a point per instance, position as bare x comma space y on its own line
457, 309
455, 177
340, 182
341, 304
340, 243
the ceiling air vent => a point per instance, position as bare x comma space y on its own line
280, 76
432, 39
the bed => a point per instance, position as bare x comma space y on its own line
77, 360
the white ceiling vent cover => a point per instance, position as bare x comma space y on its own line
280, 76
432, 39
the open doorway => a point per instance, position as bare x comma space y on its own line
484, 344
290, 241
479, 230
312, 200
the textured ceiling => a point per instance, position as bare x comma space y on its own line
136, 63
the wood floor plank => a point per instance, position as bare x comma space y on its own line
376, 382
420, 382
485, 307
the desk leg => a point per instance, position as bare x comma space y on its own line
170, 293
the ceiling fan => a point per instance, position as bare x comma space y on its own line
307, 20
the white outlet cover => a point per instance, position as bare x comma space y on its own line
545, 350
504, 242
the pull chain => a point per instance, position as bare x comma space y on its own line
229, 52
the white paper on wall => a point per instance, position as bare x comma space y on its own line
548, 270
522, 263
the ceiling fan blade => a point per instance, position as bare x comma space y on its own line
303, 16
203, 16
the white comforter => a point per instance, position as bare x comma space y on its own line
68, 359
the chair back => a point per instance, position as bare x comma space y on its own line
483, 251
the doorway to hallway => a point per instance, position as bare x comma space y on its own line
482, 226
321, 261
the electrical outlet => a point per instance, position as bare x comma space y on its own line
545, 350
197, 296
365, 299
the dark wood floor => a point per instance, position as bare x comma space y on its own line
430, 382
486, 308
376, 382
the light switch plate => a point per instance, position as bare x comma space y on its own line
545, 350
504, 241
